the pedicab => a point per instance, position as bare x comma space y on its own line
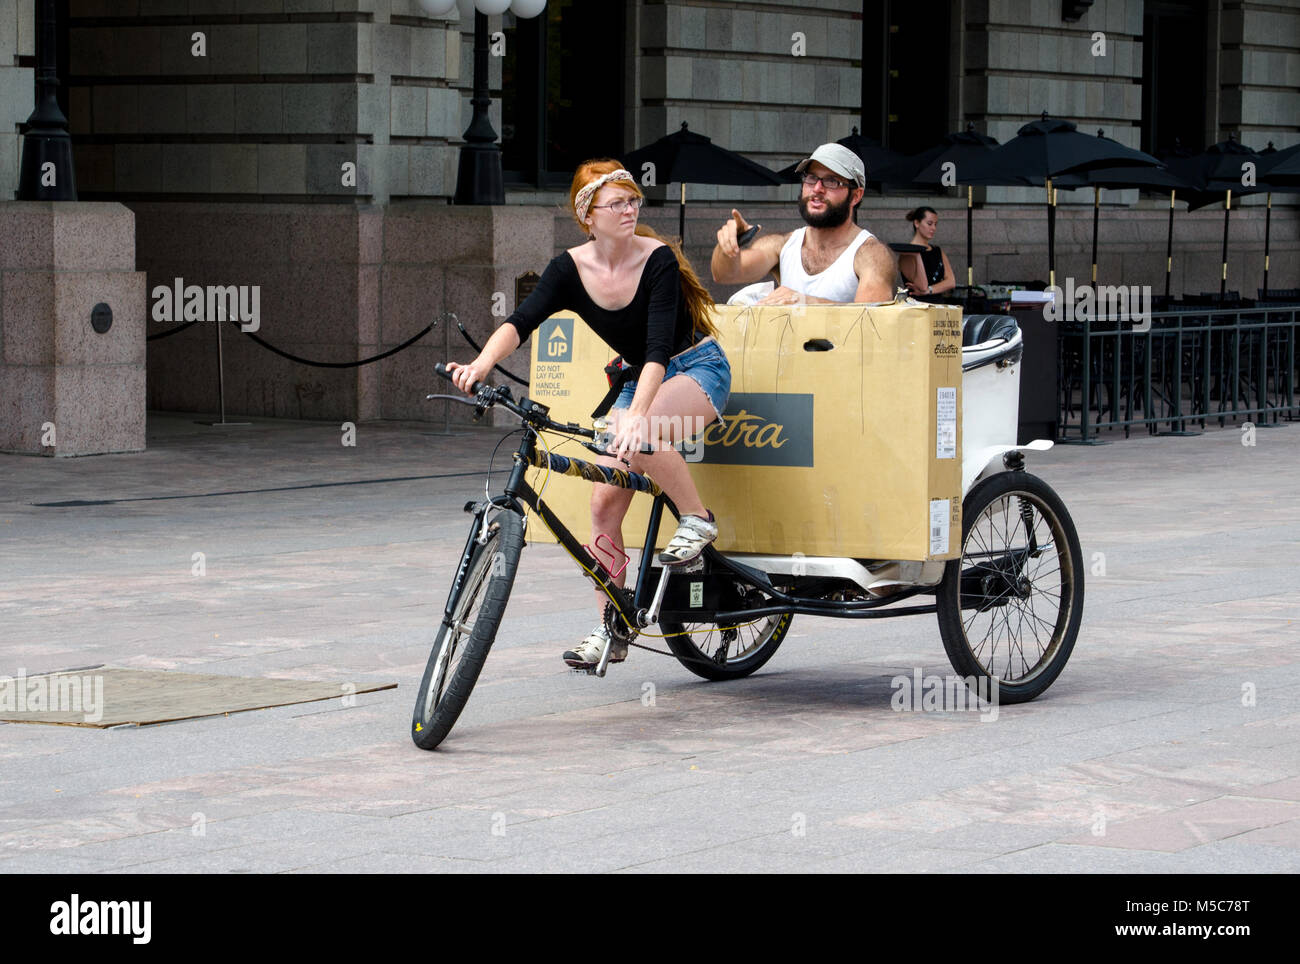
969, 534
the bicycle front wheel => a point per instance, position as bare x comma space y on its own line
463, 641
1009, 608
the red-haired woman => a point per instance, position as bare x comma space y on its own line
641, 296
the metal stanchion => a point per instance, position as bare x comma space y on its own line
446, 354
445, 319
221, 379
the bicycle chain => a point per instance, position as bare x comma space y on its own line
685, 659
689, 659
627, 634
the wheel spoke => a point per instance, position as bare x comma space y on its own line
747, 639
460, 626
1011, 625
439, 682
738, 649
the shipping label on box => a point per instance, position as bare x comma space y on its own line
842, 434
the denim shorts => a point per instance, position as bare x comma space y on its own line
706, 365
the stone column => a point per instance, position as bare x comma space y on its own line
71, 382
462, 260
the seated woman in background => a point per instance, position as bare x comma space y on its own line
929, 272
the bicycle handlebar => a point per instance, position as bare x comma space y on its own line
532, 413
474, 389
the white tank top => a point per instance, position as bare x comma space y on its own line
839, 282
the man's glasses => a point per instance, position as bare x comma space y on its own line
830, 183
621, 206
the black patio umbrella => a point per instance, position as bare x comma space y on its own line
1047, 148
1220, 169
685, 156
1281, 169
1157, 179
875, 158
945, 164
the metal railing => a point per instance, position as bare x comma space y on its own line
1192, 365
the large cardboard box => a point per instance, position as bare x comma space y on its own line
842, 435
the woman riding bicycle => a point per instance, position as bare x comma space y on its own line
641, 296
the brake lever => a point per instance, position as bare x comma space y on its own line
483, 400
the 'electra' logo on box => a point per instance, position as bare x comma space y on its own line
556, 344
762, 428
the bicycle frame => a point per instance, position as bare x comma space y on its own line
632, 605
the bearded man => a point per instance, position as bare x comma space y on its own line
832, 260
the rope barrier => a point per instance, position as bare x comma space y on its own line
307, 361
174, 331
352, 364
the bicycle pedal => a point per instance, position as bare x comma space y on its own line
582, 670
695, 565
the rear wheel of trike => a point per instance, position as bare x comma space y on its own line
722, 653
1009, 607
461, 646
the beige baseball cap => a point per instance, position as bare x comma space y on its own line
839, 159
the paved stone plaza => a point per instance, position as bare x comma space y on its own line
1170, 743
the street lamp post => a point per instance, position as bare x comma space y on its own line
479, 179
47, 173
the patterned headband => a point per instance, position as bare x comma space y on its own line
582, 203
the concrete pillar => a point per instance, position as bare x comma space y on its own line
65, 387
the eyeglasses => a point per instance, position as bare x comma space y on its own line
830, 183
621, 206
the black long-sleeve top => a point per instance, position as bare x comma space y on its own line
652, 327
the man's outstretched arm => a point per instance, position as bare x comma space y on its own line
732, 264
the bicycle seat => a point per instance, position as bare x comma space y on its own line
987, 339
978, 329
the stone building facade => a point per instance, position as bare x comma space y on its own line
310, 147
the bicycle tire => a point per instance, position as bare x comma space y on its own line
994, 655
766, 638
445, 687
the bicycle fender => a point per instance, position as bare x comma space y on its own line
986, 461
